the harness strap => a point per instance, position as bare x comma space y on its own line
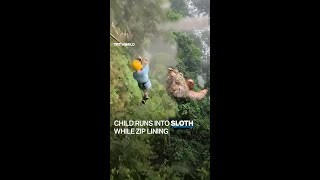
145, 82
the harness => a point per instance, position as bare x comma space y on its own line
145, 82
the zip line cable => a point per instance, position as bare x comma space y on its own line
132, 53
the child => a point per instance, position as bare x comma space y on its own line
141, 67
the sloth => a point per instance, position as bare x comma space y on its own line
179, 87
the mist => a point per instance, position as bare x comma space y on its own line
161, 52
188, 24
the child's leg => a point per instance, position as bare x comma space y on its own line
147, 87
142, 89
145, 94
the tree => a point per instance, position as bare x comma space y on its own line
203, 6
180, 6
183, 154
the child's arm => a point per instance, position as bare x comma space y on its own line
145, 61
142, 60
145, 69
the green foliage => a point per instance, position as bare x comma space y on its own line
180, 6
191, 148
183, 153
126, 96
136, 16
131, 156
172, 15
189, 55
